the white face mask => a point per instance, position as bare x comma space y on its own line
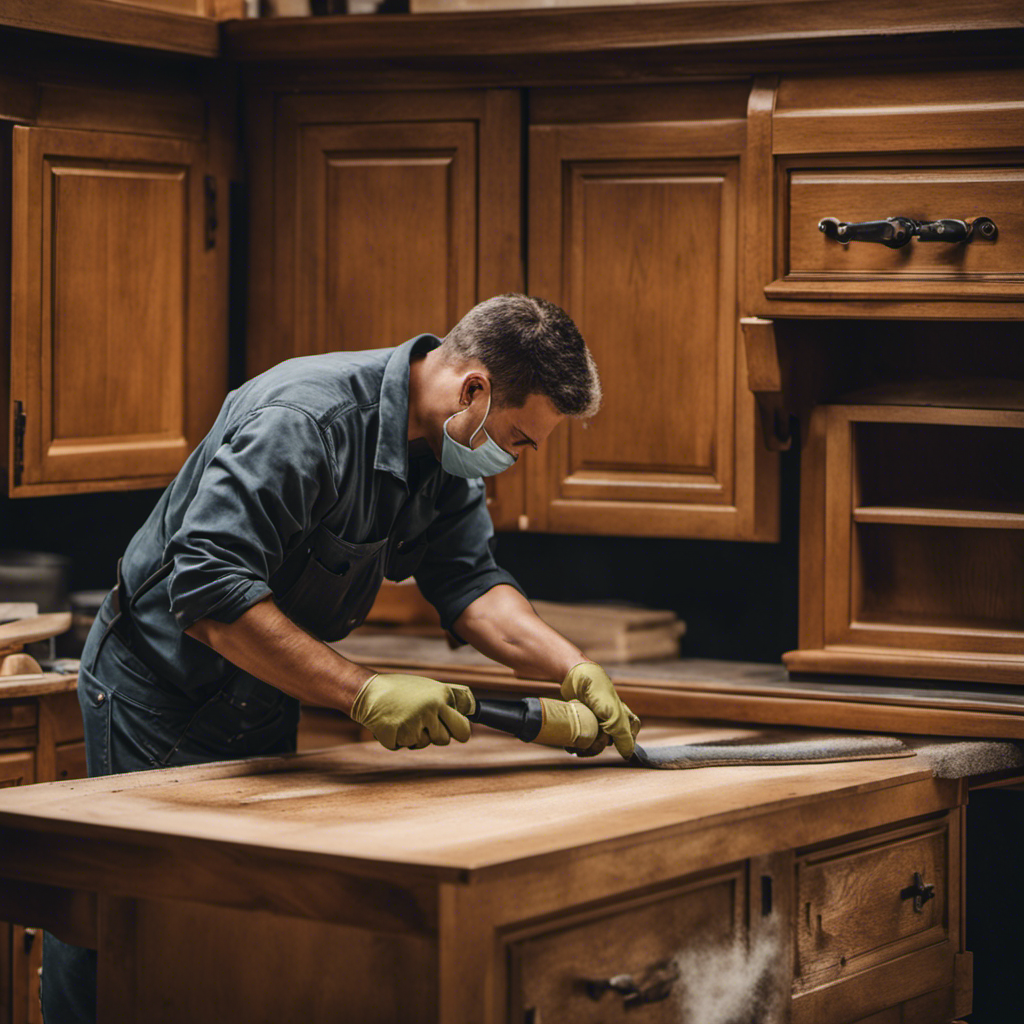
487, 460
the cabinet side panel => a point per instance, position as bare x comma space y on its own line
5, 304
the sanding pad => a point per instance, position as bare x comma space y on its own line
804, 749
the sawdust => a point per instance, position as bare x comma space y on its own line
732, 984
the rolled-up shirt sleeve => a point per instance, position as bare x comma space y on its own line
264, 487
459, 563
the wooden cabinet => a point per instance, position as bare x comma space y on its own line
110, 342
40, 741
635, 226
877, 920
912, 540
925, 146
117, 360
380, 216
531, 883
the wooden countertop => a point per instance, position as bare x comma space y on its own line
732, 690
440, 813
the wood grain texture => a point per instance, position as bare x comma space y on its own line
940, 576
111, 201
113, 22
633, 230
360, 804
958, 108
707, 915
391, 215
568, 31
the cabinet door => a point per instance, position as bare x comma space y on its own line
634, 230
114, 357
393, 214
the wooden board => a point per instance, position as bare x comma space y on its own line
448, 812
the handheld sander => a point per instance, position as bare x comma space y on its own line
545, 720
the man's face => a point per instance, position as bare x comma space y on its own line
511, 429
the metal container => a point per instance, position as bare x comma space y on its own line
35, 576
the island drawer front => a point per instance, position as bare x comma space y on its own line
642, 939
856, 904
880, 187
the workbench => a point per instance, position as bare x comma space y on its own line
490, 882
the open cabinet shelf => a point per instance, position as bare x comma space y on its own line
913, 543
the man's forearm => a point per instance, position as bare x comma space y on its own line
503, 625
264, 642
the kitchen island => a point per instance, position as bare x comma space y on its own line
499, 881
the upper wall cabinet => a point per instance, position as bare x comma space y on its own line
118, 349
379, 216
896, 195
636, 217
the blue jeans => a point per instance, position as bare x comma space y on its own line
135, 722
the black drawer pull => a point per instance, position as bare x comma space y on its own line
921, 892
656, 986
896, 232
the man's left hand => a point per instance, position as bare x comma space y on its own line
590, 683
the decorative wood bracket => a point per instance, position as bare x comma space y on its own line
764, 376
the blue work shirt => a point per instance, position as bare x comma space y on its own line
307, 466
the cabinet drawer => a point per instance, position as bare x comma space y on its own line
873, 189
925, 145
645, 939
856, 904
17, 768
70, 761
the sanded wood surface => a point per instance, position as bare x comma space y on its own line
450, 810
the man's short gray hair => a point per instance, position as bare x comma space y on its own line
529, 346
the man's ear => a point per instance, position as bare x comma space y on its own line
471, 384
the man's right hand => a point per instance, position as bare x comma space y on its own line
413, 711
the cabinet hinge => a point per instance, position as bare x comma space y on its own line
210, 212
19, 442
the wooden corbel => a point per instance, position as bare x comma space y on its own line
764, 376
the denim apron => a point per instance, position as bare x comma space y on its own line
134, 721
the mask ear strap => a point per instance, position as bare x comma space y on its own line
487, 412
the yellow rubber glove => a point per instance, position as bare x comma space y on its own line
413, 711
590, 684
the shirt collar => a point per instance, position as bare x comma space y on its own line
393, 431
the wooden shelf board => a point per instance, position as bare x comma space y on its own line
749, 692
606, 30
115, 23
962, 518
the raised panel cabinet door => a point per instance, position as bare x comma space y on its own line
112, 357
634, 230
393, 215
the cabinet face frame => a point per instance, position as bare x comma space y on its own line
734, 497
475, 133
55, 464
